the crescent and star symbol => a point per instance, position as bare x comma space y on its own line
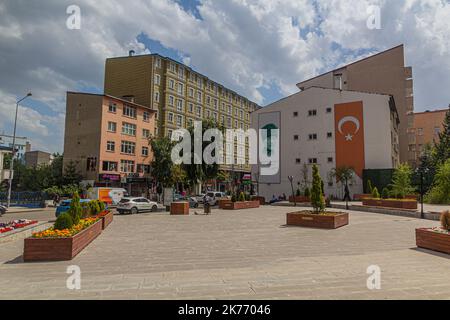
349, 137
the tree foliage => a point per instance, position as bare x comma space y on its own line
317, 198
162, 164
440, 192
401, 182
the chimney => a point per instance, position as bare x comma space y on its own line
131, 53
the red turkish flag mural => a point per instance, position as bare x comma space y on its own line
349, 136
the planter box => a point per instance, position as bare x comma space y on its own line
306, 219
179, 208
228, 205
107, 219
359, 197
60, 249
428, 239
299, 199
388, 203
262, 200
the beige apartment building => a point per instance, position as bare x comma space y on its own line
425, 130
107, 138
383, 73
179, 95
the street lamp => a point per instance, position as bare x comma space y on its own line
291, 179
421, 171
11, 165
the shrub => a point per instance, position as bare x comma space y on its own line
101, 205
247, 197
95, 208
86, 209
317, 198
242, 197
445, 220
440, 192
322, 187
233, 197
298, 193
64, 221
375, 193
385, 193
401, 182
369, 187
307, 192
75, 211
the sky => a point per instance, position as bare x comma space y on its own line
258, 48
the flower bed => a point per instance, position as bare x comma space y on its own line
299, 199
58, 245
238, 205
16, 224
436, 239
408, 204
328, 220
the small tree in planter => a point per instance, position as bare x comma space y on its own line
242, 197
75, 211
401, 182
385, 193
375, 193
317, 198
369, 187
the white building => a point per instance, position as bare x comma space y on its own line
331, 128
22, 145
4, 174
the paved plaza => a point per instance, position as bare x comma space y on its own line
246, 254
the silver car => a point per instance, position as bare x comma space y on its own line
136, 205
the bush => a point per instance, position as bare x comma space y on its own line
307, 192
95, 209
233, 197
247, 196
440, 192
385, 193
242, 197
75, 211
369, 187
86, 209
317, 198
401, 182
101, 205
298, 193
375, 193
64, 221
445, 220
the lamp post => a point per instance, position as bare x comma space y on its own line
421, 171
291, 179
11, 165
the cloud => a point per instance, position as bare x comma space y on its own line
248, 45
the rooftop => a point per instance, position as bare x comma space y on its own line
111, 97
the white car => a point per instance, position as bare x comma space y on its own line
213, 197
136, 205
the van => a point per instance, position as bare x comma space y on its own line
110, 196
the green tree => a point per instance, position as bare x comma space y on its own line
442, 147
162, 164
75, 211
71, 174
343, 175
401, 182
369, 186
375, 193
317, 198
440, 192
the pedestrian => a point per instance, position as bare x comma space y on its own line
347, 194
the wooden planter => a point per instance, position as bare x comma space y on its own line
359, 197
107, 219
391, 203
60, 249
228, 205
262, 200
299, 199
428, 239
179, 208
306, 219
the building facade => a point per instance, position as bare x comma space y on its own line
4, 173
22, 145
330, 128
383, 73
107, 138
37, 158
425, 130
179, 95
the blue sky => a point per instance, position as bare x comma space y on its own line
258, 48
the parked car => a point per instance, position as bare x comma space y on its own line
136, 205
193, 203
213, 197
200, 197
3, 210
64, 206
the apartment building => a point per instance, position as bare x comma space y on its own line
425, 130
107, 138
22, 145
383, 73
330, 128
179, 95
38, 158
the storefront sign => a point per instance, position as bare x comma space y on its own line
109, 177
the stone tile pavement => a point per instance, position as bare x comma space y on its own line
247, 254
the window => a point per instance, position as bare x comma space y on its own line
129, 112
180, 88
171, 101
191, 92
171, 84
128, 147
143, 168
156, 96
312, 113
145, 151
229, 110
420, 131
158, 63
199, 96
199, 111
200, 82
172, 67
437, 130
295, 114
296, 137
146, 116
112, 126
179, 105
145, 133
208, 100
91, 164
329, 135
109, 166
338, 81
329, 110
330, 160
112, 107
169, 133
298, 161
170, 117
180, 72
191, 107
127, 166
241, 114
157, 79
312, 160
179, 120
110, 146
208, 114
190, 122
129, 129
312, 136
